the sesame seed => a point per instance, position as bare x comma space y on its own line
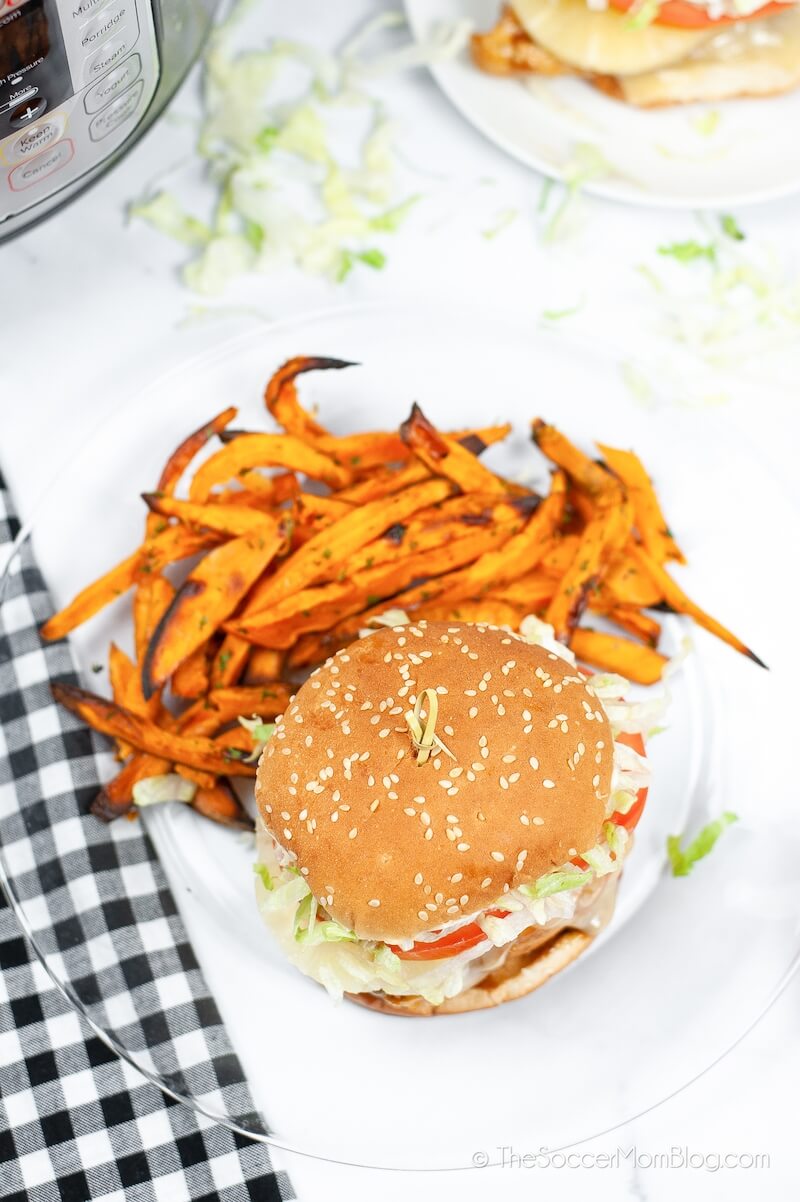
383, 733
374, 902
425, 818
429, 833
595, 781
538, 821
287, 833
430, 905
534, 763
524, 819
410, 812
421, 914
456, 877
485, 752
462, 847
509, 759
455, 772
513, 778
473, 711
498, 855
548, 784
486, 882
374, 805
352, 834
503, 783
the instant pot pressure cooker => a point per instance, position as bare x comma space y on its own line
80, 82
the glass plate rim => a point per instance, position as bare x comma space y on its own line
175, 365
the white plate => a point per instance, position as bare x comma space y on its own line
659, 157
669, 988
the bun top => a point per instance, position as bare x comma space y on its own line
392, 847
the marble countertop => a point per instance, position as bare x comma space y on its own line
89, 296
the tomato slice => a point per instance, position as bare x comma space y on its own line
631, 819
684, 15
460, 940
633, 815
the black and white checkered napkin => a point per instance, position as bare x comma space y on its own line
76, 1121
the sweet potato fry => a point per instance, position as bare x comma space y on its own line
170, 545
264, 450
227, 519
674, 596
559, 554
629, 583
274, 490
220, 804
321, 607
280, 395
229, 662
587, 474
153, 595
641, 625
516, 557
104, 716
337, 544
603, 532
263, 666
184, 453
531, 593
222, 706
93, 598
192, 678
116, 796
445, 456
209, 595
489, 610
651, 524
383, 483
640, 664
126, 688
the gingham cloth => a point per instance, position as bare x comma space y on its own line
76, 1122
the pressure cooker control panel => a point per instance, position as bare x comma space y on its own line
76, 78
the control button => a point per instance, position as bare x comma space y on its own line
85, 10
116, 113
107, 23
36, 138
26, 112
113, 84
109, 55
30, 173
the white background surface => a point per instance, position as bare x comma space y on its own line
86, 297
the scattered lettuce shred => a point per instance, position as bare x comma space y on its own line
683, 860
587, 164
501, 223
260, 731
304, 172
154, 790
740, 300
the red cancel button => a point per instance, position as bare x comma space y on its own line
42, 165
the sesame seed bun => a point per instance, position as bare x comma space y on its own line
392, 847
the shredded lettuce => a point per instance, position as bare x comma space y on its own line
587, 164
707, 123
261, 733
501, 223
308, 178
643, 14
263, 874
556, 882
731, 227
154, 790
683, 860
689, 251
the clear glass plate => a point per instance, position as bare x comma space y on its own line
687, 965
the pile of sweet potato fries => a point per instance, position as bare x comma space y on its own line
305, 537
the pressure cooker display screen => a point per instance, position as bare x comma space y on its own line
24, 36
